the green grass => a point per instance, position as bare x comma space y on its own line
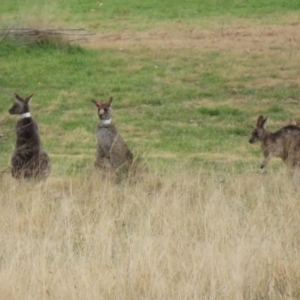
139, 15
156, 10
161, 115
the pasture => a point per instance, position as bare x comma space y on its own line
188, 80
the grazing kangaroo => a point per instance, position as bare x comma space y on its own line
28, 160
112, 151
284, 143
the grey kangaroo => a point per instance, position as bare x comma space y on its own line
112, 151
284, 143
28, 160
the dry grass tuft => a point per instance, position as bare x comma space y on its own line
179, 236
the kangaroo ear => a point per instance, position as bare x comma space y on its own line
95, 102
265, 121
110, 100
28, 98
18, 98
260, 121
98, 104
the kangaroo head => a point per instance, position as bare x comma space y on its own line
104, 109
259, 132
20, 106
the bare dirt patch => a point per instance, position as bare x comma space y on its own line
237, 39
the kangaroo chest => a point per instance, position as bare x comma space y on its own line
27, 132
106, 136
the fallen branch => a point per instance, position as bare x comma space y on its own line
5, 35
35, 35
35, 32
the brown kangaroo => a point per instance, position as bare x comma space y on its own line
112, 151
284, 143
28, 159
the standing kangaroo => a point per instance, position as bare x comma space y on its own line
112, 150
284, 143
28, 160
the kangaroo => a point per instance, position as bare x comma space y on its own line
28, 160
284, 143
112, 151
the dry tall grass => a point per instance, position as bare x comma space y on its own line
182, 235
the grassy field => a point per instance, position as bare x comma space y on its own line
180, 235
189, 79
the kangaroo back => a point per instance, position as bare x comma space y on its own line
28, 159
112, 151
284, 143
